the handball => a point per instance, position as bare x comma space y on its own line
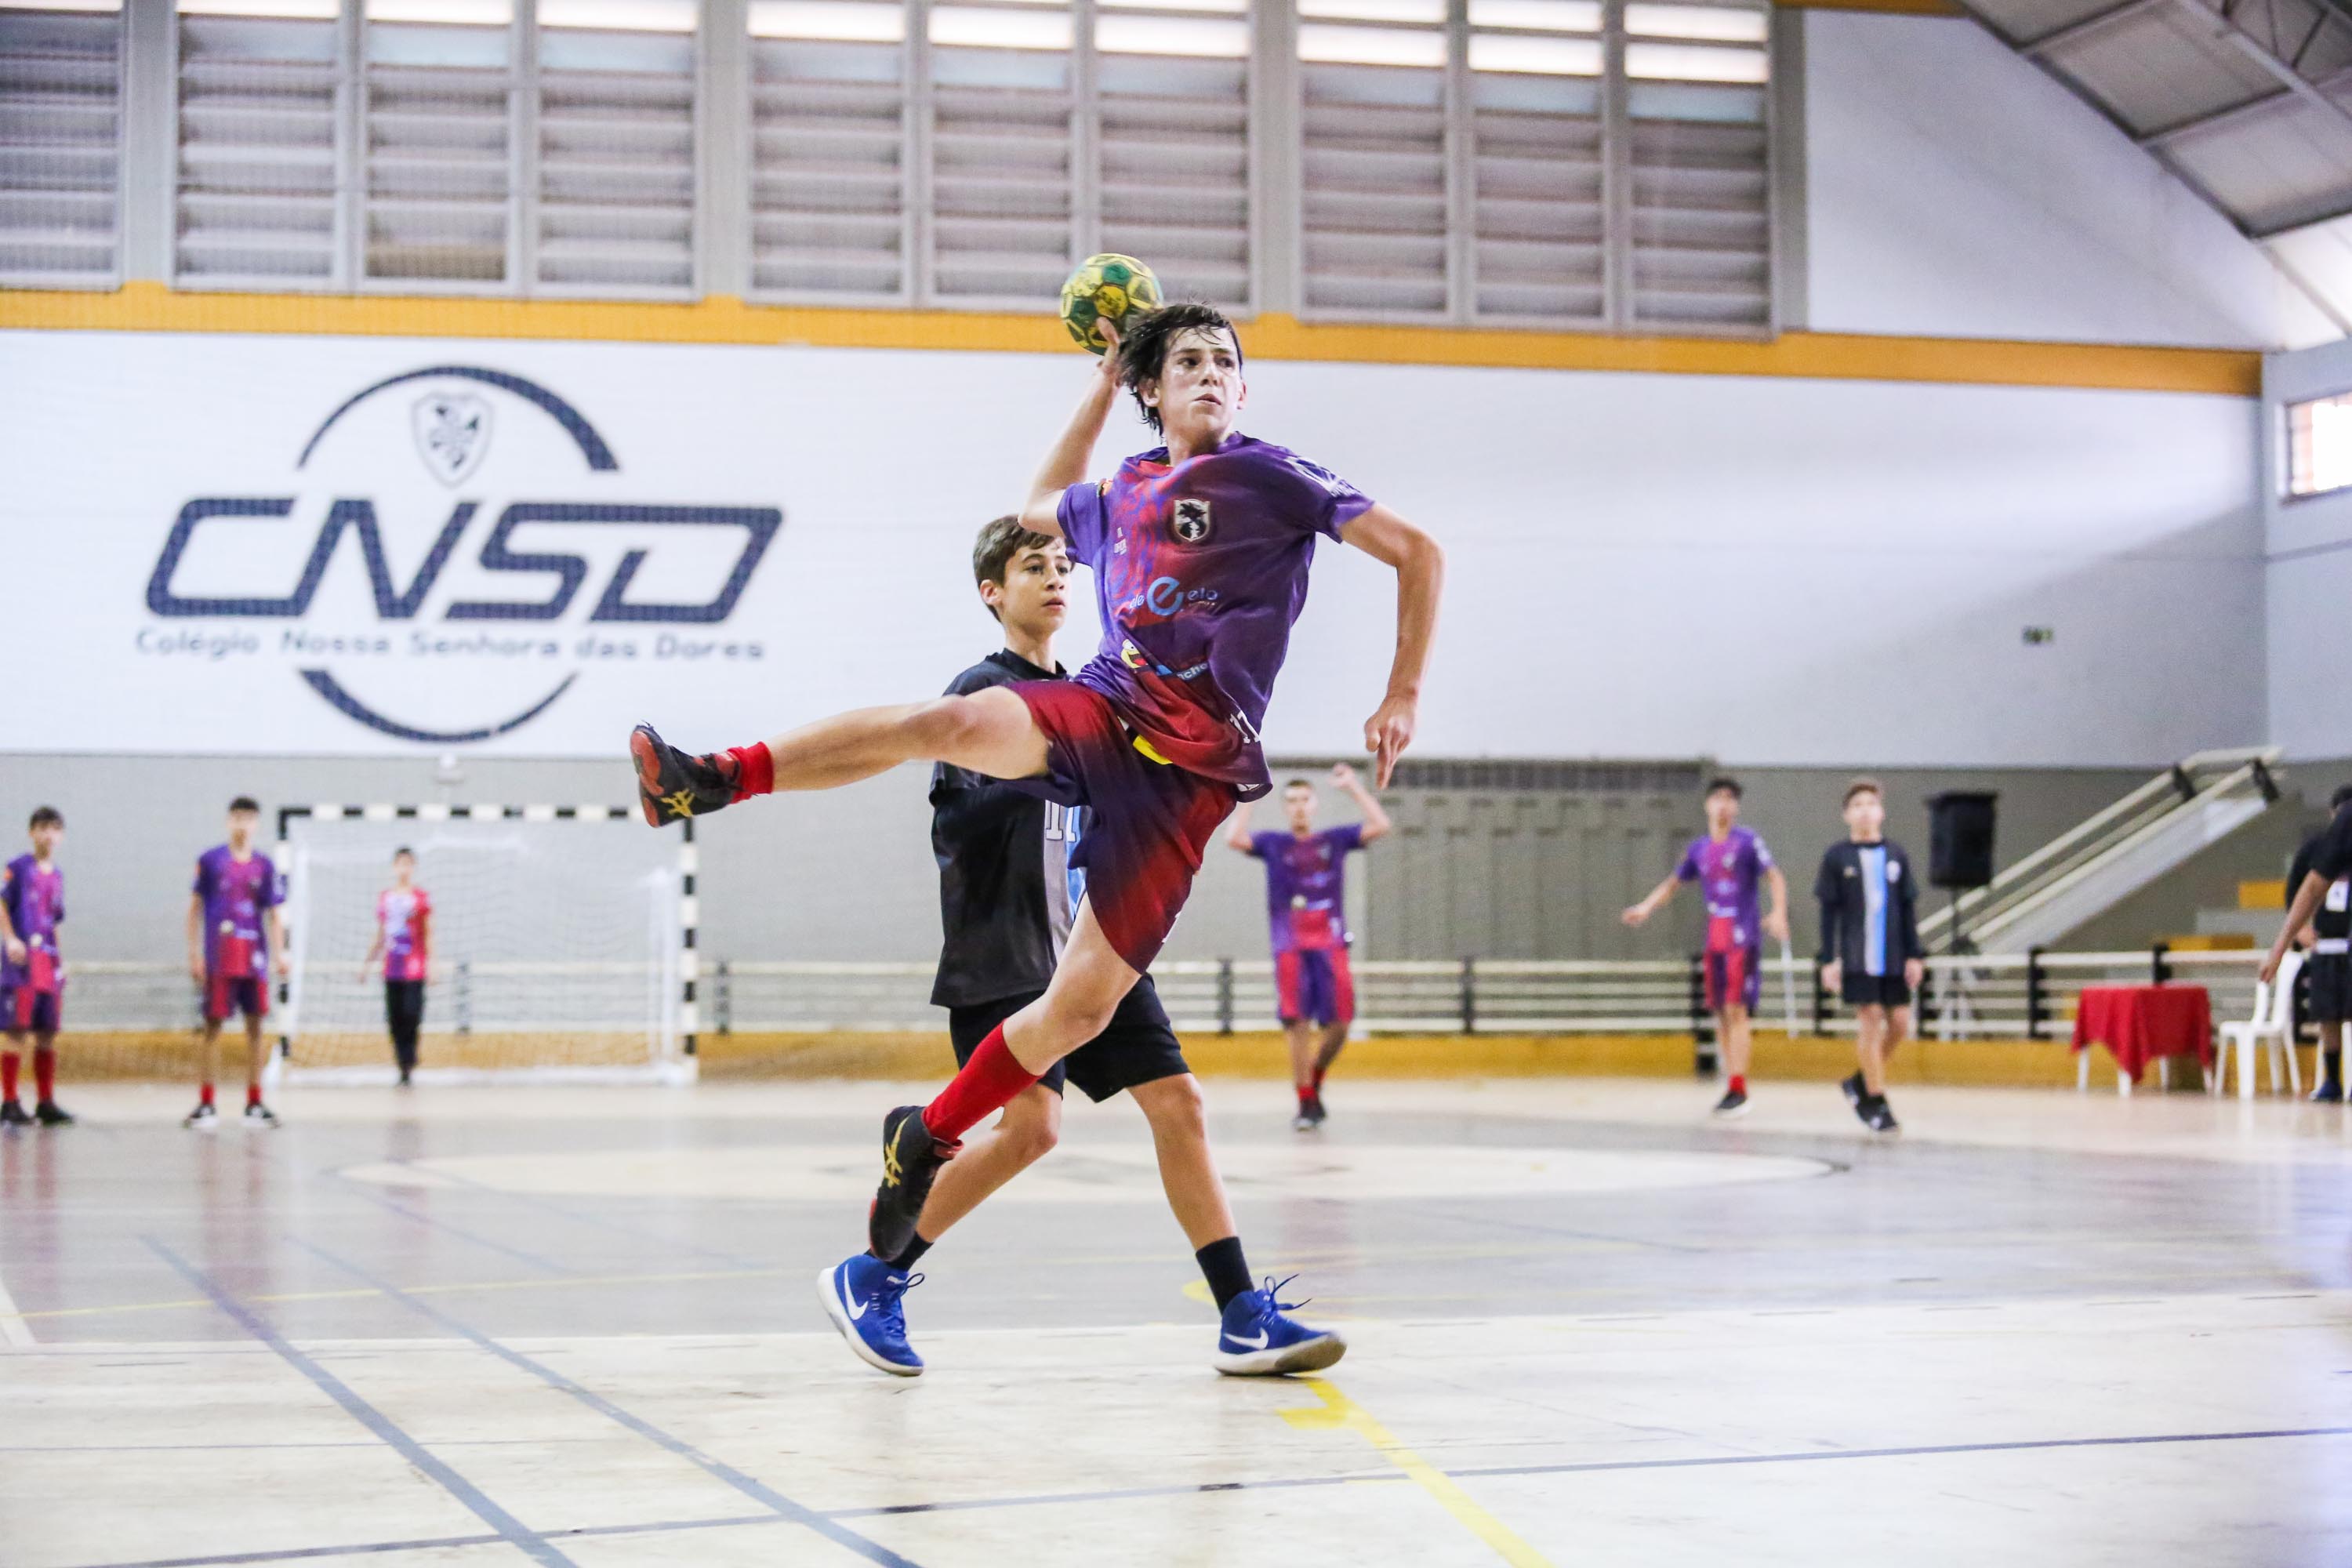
1107, 288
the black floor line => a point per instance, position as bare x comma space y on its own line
757, 1490
510, 1529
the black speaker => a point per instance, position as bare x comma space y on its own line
1960, 837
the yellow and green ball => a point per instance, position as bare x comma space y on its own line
1107, 288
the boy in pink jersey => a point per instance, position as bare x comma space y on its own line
1307, 915
234, 930
1200, 551
32, 974
1728, 862
403, 923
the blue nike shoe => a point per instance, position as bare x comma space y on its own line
1258, 1339
865, 1300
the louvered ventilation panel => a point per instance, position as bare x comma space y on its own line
1534, 128
1695, 92
61, 132
1001, 188
256, 195
829, 159
616, 147
1173, 146
1373, 157
439, 184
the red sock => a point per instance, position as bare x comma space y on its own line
1739, 1083
1304, 1094
988, 1082
44, 1074
7, 1074
253, 1094
205, 1095
755, 770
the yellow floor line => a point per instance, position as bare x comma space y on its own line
1339, 1412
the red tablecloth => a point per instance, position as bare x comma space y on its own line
2138, 1024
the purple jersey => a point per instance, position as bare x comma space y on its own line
34, 897
1307, 886
235, 893
1199, 571
1729, 873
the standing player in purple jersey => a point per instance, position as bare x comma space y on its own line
1728, 862
32, 973
1201, 551
1307, 913
235, 935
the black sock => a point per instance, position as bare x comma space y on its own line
913, 1254
1225, 1268
2331, 1066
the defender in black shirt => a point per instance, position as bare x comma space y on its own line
1007, 894
1870, 943
2329, 923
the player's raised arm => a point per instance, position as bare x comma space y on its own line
1237, 831
1421, 577
1065, 464
1376, 824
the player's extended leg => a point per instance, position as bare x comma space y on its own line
1256, 1336
989, 731
1869, 1048
1334, 1032
2330, 1087
1085, 990
256, 1056
204, 1117
12, 1057
45, 1108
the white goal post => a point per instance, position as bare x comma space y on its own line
561, 945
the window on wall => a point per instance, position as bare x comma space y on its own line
1171, 117
437, 164
1701, 249
2319, 445
60, 136
258, 158
830, 214
1535, 122
616, 146
1003, 153
1373, 178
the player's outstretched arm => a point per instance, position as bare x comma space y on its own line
1376, 824
1420, 578
1237, 831
1065, 464
1639, 914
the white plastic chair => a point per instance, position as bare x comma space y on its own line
2271, 1026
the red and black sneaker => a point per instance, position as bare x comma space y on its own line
672, 785
911, 1157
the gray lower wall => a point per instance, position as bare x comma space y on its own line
848, 875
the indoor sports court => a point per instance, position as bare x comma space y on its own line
954, 783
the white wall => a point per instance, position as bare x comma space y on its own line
2308, 573
1787, 573
1955, 190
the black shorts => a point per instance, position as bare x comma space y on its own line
2330, 1000
1139, 1047
1861, 990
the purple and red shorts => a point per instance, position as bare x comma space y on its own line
1313, 985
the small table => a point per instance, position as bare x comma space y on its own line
2141, 1023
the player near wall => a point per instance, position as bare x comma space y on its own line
1007, 894
235, 938
1306, 914
1201, 551
1729, 863
404, 929
32, 972
1871, 955
2327, 926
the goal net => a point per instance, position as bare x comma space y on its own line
559, 944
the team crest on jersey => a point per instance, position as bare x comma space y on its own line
453, 434
1190, 522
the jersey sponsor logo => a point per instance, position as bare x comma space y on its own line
1190, 521
513, 571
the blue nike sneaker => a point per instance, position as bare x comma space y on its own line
865, 1298
1258, 1340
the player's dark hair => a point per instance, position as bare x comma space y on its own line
245, 803
404, 849
2343, 793
1724, 782
1001, 538
1306, 784
46, 815
1862, 786
1143, 344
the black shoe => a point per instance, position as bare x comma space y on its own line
203, 1119
259, 1115
673, 786
911, 1158
12, 1114
2328, 1092
1854, 1088
50, 1113
404, 1078
1733, 1103
1315, 1108
1878, 1116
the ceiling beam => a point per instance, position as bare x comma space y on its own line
2255, 49
2083, 28
2250, 109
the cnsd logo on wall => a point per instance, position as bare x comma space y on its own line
459, 547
